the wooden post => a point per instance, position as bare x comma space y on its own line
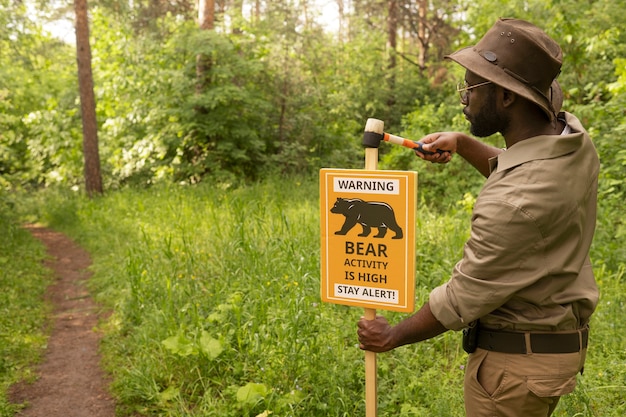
371, 385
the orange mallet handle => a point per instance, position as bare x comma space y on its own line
407, 143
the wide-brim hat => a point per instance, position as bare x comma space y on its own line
520, 57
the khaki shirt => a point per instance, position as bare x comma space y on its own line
526, 264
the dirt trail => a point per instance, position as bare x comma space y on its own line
70, 381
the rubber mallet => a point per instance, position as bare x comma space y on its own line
374, 134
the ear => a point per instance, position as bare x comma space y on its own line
508, 97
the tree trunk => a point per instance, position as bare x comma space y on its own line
422, 35
392, 30
341, 17
206, 14
206, 21
93, 178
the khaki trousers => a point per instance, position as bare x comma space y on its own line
518, 385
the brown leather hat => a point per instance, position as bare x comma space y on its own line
520, 57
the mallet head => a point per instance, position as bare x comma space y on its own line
373, 133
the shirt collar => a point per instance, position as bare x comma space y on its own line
540, 147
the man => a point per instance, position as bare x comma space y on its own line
524, 290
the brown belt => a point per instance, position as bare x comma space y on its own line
530, 342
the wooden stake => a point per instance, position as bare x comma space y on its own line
371, 385
371, 159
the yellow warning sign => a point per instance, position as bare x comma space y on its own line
368, 238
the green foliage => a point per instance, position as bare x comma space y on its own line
22, 311
154, 125
38, 141
275, 98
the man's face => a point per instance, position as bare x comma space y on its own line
482, 110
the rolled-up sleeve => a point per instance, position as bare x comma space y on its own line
444, 310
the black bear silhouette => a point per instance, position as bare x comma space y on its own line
367, 214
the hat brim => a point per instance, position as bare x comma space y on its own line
470, 59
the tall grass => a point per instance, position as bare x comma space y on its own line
216, 311
22, 309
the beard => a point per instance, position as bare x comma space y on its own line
488, 120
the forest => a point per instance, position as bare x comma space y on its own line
209, 113
268, 87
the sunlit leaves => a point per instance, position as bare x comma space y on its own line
181, 345
251, 393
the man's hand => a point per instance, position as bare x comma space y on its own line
442, 144
375, 335
379, 336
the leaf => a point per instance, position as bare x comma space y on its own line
179, 345
221, 313
265, 413
210, 346
291, 398
251, 393
169, 394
